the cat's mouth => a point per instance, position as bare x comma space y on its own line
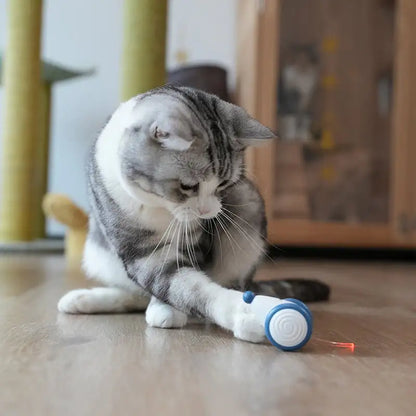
190, 215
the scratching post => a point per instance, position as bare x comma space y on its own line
51, 73
20, 122
42, 156
144, 46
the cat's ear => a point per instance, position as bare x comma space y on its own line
169, 138
252, 133
247, 130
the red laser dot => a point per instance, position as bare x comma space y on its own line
348, 345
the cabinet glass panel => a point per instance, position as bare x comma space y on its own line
334, 110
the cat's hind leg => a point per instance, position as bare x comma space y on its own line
121, 295
100, 300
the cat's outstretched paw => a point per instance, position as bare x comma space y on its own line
161, 315
248, 328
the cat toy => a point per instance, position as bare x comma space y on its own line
287, 322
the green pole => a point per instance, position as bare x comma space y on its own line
21, 116
144, 47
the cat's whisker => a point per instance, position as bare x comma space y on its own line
249, 238
241, 219
170, 225
219, 238
160, 269
168, 246
177, 246
234, 205
182, 241
193, 247
193, 234
200, 223
231, 236
187, 244
242, 231
227, 233
217, 219
254, 229
211, 233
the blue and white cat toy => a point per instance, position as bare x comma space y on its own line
287, 322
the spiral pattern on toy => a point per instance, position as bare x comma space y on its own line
288, 327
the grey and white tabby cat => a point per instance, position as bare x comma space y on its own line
173, 216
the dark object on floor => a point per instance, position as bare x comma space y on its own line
208, 78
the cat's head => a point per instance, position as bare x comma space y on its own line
181, 148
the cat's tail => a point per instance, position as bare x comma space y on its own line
306, 290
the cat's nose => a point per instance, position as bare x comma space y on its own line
203, 211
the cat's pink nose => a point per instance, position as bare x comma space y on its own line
203, 211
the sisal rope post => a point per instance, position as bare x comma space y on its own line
42, 160
20, 123
144, 46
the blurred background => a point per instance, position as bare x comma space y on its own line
333, 78
79, 35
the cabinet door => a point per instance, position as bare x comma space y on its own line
404, 126
328, 75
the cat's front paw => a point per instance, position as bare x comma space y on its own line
248, 328
164, 316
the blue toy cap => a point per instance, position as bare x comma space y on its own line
248, 296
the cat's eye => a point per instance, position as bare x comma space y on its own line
223, 184
189, 188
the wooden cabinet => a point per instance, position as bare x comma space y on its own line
337, 80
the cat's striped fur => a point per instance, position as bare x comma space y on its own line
172, 214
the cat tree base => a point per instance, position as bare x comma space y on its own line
51, 246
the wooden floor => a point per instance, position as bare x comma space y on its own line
55, 364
